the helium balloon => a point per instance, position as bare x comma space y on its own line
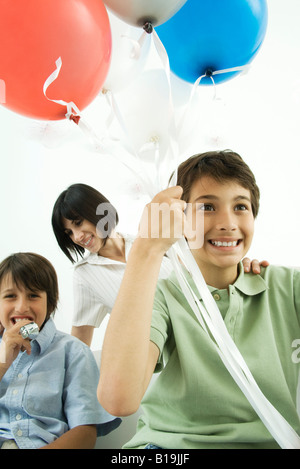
144, 108
140, 12
34, 34
206, 36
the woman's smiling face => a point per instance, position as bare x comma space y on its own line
228, 223
84, 234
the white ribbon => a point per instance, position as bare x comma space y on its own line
243, 68
173, 136
70, 106
73, 113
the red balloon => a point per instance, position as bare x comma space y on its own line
34, 34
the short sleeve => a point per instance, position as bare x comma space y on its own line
88, 309
160, 325
81, 405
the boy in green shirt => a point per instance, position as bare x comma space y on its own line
195, 402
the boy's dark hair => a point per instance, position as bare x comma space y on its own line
79, 202
34, 273
222, 166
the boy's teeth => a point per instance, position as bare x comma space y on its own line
224, 243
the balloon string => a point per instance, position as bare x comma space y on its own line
73, 113
70, 105
173, 134
209, 74
136, 45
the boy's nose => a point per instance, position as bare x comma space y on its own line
226, 222
22, 305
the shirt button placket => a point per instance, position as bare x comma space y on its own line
16, 395
233, 311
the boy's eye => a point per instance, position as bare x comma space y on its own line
241, 207
34, 294
207, 207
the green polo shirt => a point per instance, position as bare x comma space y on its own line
194, 402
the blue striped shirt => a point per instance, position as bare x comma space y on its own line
50, 391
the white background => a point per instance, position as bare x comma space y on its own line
256, 114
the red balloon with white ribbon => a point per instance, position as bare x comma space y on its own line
33, 35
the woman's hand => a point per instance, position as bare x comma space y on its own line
254, 265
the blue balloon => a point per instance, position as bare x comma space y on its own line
205, 36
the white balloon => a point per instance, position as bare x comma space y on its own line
144, 107
138, 12
128, 57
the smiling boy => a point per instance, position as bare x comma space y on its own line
47, 384
228, 228
194, 402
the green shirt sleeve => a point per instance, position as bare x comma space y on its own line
160, 325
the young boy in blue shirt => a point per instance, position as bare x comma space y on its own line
48, 383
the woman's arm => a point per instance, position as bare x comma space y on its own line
81, 437
84, 333
128, 357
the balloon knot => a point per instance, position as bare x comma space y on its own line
154, 139
208, 72
74, 117
148, 27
